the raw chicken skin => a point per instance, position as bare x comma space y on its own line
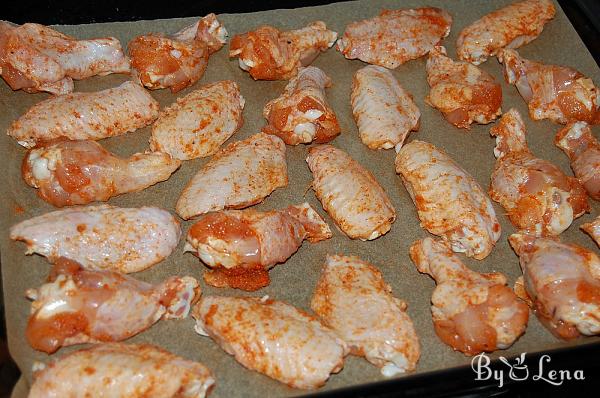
179, 61
593, 229
239, 175
463, 92
79, 172
563, 282
270, 54
273, 338
385, 113
583, 149
36, 58
509, 27
200, 122
537, 196
77, 306
242, 245
81, 116
122, 370
350, 193
449, 202
558, 93
395, 36
301, 115
472, 312
102, 237
352, 298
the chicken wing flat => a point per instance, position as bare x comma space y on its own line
122, 370
301, 114
270, 54
449, 202
509, 27
384, 112
352, 298
239, 175
199, 123
81, 116
36, 58
79, 172
273, 338
179, 61
395, 36
463, 92
472, 312
350, 194
537, 196
102, 237
563, 282
558, 93
242, 245
78, 306
593, 229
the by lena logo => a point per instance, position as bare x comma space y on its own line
519, 371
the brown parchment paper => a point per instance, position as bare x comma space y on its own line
294, 281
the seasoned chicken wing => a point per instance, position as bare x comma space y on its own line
384, 112
472, 312
593, 229
81, 116
558, 93
102, 237
509, 27
270, 54
463, 92
563, 283
36, 58
395, 36
179, 61
537, 196
350, 194
122, 370
273, 338
583, 149
450, 203
242, 245
78, 306
79, 172
197, 124
301, 114
352, 298
239, 175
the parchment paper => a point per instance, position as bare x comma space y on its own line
294, 281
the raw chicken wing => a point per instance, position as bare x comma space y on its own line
352, 298
122, 370
102, 237
537, 196
563, 283
558, 93
81, 116
472, 312
273, 338
79, 172
384, 112
239, 175
461, 91
301, 114
450, 203
77, 306
197, 124
242, 245
395, 36
270, 54
350, 194
593, 229
509, 27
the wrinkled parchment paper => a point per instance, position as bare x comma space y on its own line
294, 281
